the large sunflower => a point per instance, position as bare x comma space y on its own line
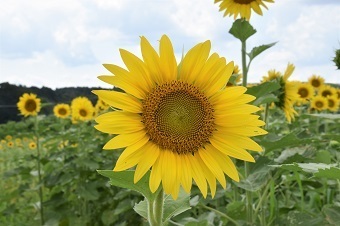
82, 109
178, 119
242, 7
29, 104
62, 110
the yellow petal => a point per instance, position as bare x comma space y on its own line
224, 162
122, 117
155, 175
185, 172
225, 147
151, 153
124, 140
169, 171
152, 61
137, 67
213, 166
248, 131
198, 175
193, 61
228, 94
124, 80
208, 175
167, 59
211, 67
222, 79
120, 100
127, 161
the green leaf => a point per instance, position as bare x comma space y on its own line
142, 208
242, 30
331, 173
124, 179
328, 116
264, 92
282, 142
332, 214
303, 219
260, 174
174, 207
258, 50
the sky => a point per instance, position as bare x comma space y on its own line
63, 43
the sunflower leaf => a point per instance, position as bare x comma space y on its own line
175, 207
124, 179
264, 92
242, 30
257, 50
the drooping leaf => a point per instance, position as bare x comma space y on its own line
258, 50
242, 30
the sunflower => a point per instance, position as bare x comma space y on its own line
272, 74
332, 103
326, 90
82, 109
8, 137
305, 92
29, 104
316, 81
10, 144
32, 145
62, 110
178, 119
319, 103
287, 94
242, 7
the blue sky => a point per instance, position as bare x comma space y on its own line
63, 43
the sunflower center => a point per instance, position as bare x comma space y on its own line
62, 111
303, 92
83, 112
30, 105
319, 104
244, 1
316, 83
178, 117
326, 93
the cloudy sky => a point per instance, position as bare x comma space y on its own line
63, 43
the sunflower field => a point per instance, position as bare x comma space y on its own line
179, 142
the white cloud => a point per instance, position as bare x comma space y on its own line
63, 43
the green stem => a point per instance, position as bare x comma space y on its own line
266, 115
244, 64
159, 205
39, 171
249, 197
301, 188
155, 209
221, 214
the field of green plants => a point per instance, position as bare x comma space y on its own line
295, 181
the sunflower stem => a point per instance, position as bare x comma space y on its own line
266, 115
244, 63
155, 209
36, 132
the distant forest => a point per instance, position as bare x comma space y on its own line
9, 96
